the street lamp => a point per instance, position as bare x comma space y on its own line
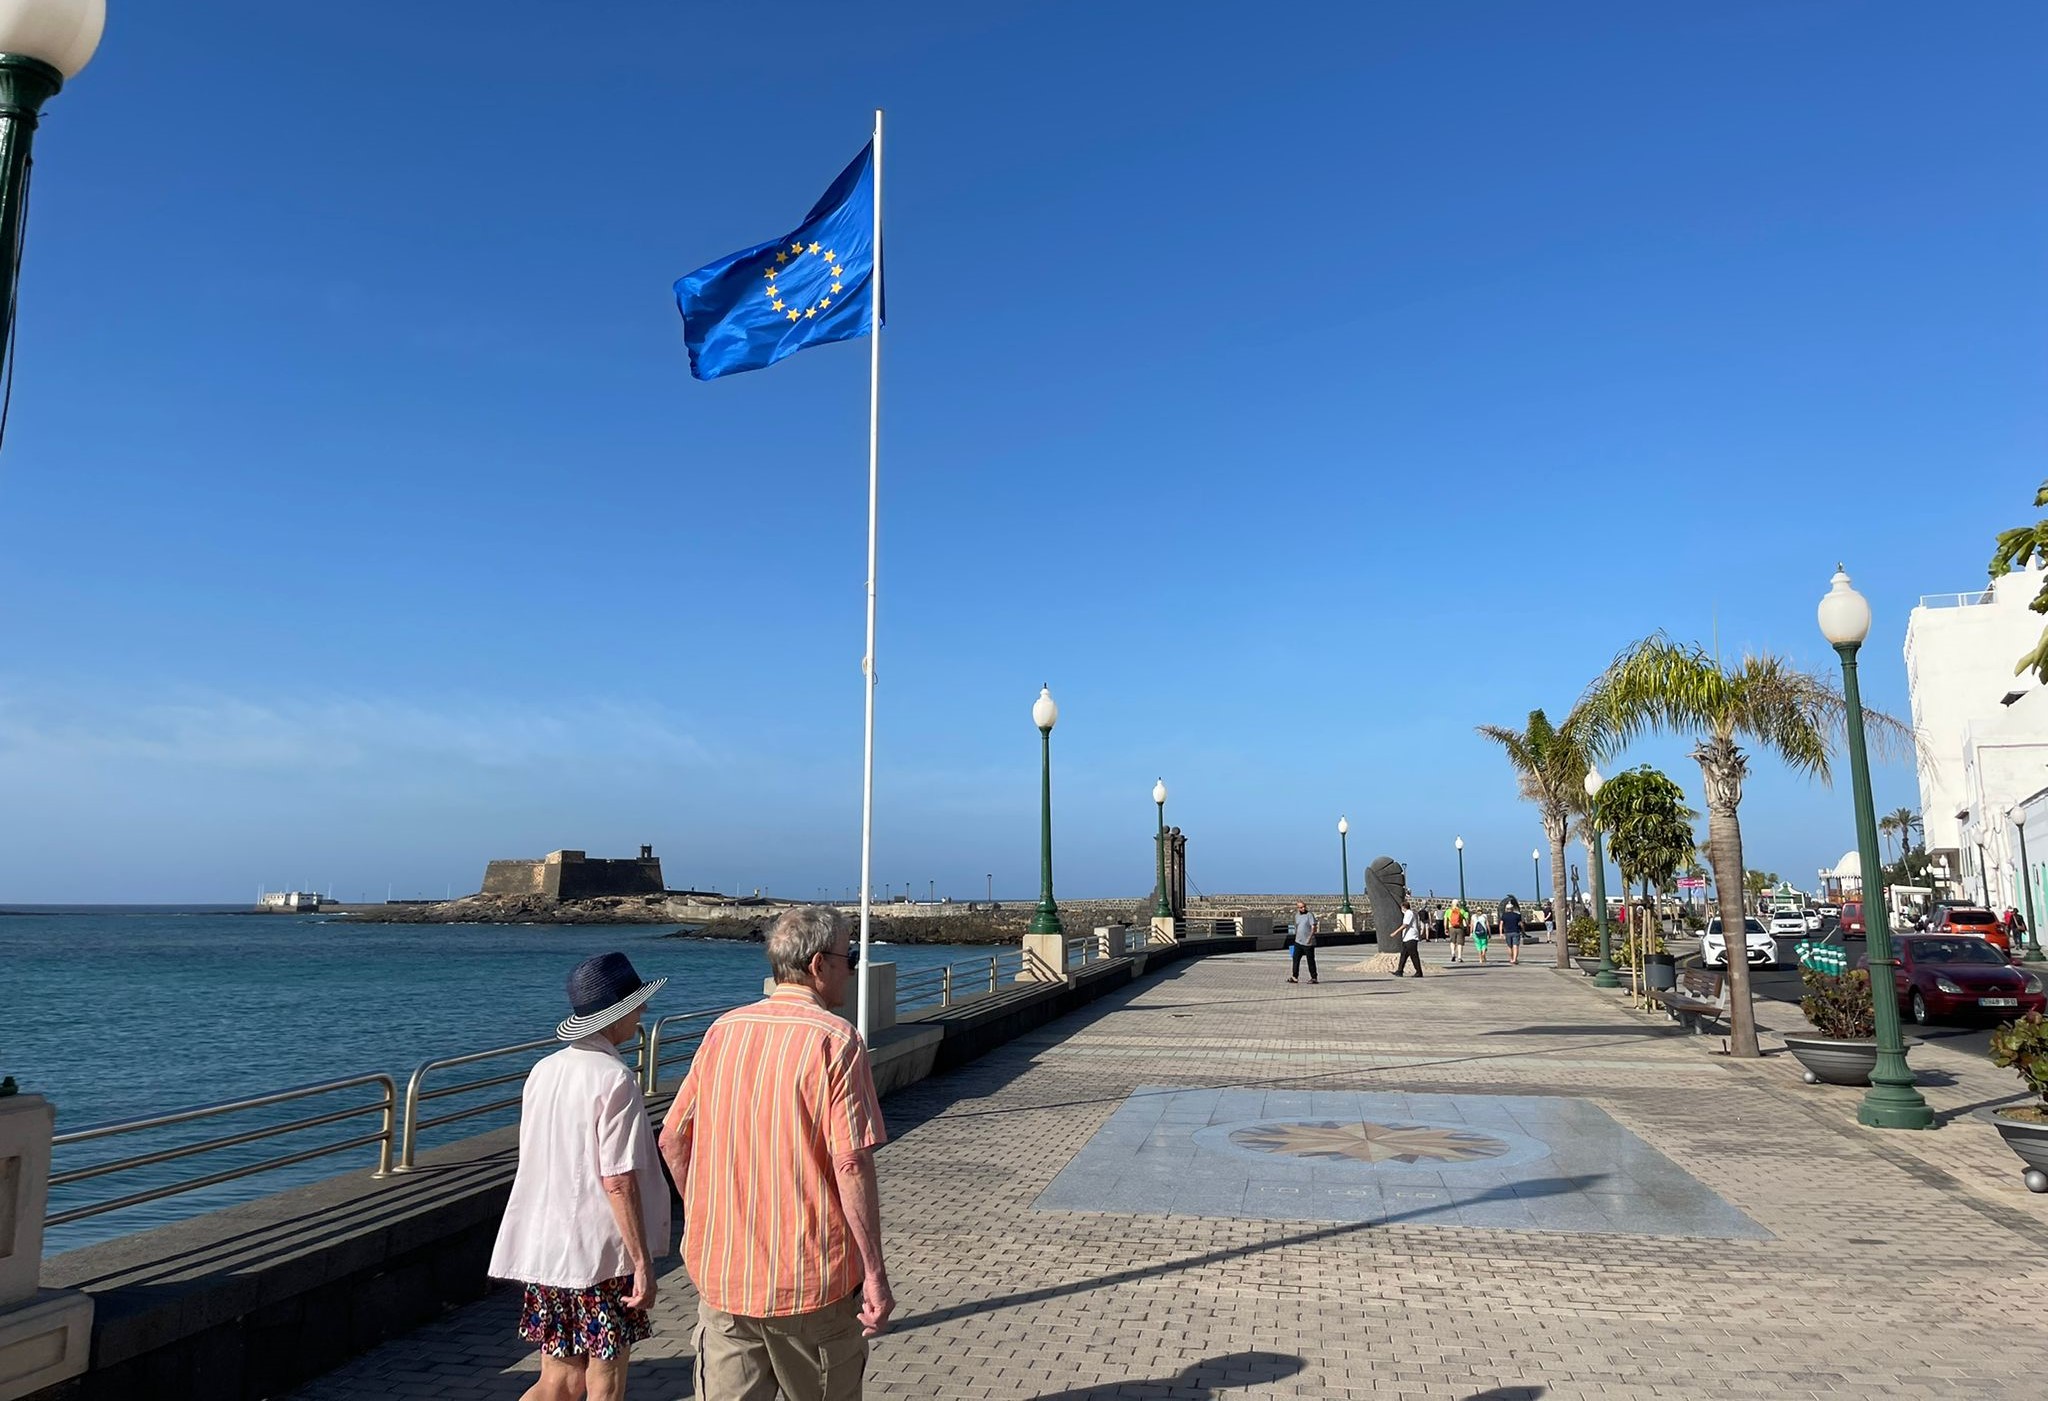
1460, 845
1344, 856
2032, 948
1536, 862
1892, 1103
1045, 714
42, 42
1162, 908
1605, 977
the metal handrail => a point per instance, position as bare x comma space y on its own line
979, 976
652, 1060
386, 1104
416, 1093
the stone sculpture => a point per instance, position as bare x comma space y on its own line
1386, 885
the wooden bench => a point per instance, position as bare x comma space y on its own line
1699, 998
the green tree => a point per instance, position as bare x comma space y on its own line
1756, 884
1649, 830
1550, 767
2017, 548
1659, 685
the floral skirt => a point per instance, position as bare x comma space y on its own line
593, 1322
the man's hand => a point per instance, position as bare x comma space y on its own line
876, 1304
642, 1295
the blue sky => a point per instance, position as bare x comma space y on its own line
1292, 389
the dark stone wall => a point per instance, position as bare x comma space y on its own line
513, 878
584, 879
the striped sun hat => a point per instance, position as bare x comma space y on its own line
603, 989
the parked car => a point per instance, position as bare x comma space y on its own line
1813, 921
1852, 919
1971, 919
1962, 975
1760, 948
1787, 922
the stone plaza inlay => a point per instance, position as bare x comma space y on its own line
1510, 1162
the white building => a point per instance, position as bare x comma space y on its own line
1982, 731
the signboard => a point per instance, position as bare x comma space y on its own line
1692, 883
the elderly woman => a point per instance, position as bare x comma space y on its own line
588, 1214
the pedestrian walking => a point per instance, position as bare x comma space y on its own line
1511, 930
1411, 939
1482, 930
588, 1214
1304, 943
772, 1142
1457, 927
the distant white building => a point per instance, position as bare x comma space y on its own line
1982, 731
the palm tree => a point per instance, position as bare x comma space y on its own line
1670, 687
1887, 828
1550, 765
1649, 831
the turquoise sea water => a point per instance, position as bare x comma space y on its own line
119, 1012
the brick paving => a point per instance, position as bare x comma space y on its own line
1904, 1264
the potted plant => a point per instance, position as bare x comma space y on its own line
2023, 1046
1585, 937
1838, 1005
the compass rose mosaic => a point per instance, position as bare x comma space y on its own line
1367, 1142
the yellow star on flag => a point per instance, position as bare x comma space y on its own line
782, 257
813, 311
814, 248
792, 316
824, 301
835, 287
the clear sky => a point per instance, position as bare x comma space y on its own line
1293, 387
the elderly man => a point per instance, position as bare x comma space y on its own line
588, 1214
771, 1140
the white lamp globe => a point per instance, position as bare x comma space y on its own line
1844, 613
1534, 854
1159, 792
62, 33
1594, 783
1343, 827
1044, 712
1459, 843
2019, 817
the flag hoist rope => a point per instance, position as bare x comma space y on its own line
867, 665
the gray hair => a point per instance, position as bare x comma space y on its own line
797, 937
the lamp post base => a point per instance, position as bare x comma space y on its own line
1046, 921
1607, 978
1894, 1107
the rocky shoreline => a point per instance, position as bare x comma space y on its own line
1003, 925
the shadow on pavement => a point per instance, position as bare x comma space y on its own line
1544, 1029
1520, 1191
1509, 1393
1198, 1381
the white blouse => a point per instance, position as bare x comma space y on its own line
581, 1119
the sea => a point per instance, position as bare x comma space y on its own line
117, 1012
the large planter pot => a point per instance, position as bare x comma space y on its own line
1831, 1062
2030, 1142
1588, 966
1660, 971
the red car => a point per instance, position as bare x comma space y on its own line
1962, 975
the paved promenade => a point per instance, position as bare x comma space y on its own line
1492, 1182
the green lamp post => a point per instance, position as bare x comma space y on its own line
42, 43
2030, 947
1162, 908
1460, 845
1605, 978
1045, 714
1892, 1103
1344, 858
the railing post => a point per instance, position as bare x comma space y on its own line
946, 986
390, 1126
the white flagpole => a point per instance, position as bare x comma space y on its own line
867, 666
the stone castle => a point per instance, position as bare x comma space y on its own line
571, 875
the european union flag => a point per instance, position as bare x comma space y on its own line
748, 310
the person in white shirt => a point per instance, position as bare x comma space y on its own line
589, 1210
1411, 938
1304, 943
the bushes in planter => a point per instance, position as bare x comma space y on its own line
1838, 1004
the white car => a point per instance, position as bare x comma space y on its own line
1813, 921
1790, 922
1762, 950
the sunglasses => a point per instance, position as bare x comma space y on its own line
852, 960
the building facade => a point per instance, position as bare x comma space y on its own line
571, 875
1981, 732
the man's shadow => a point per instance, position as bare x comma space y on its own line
1198, 1381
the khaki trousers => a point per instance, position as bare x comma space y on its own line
816, 1356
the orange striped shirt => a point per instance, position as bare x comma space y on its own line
776, 1093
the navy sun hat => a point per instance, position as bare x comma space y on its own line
603, 989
